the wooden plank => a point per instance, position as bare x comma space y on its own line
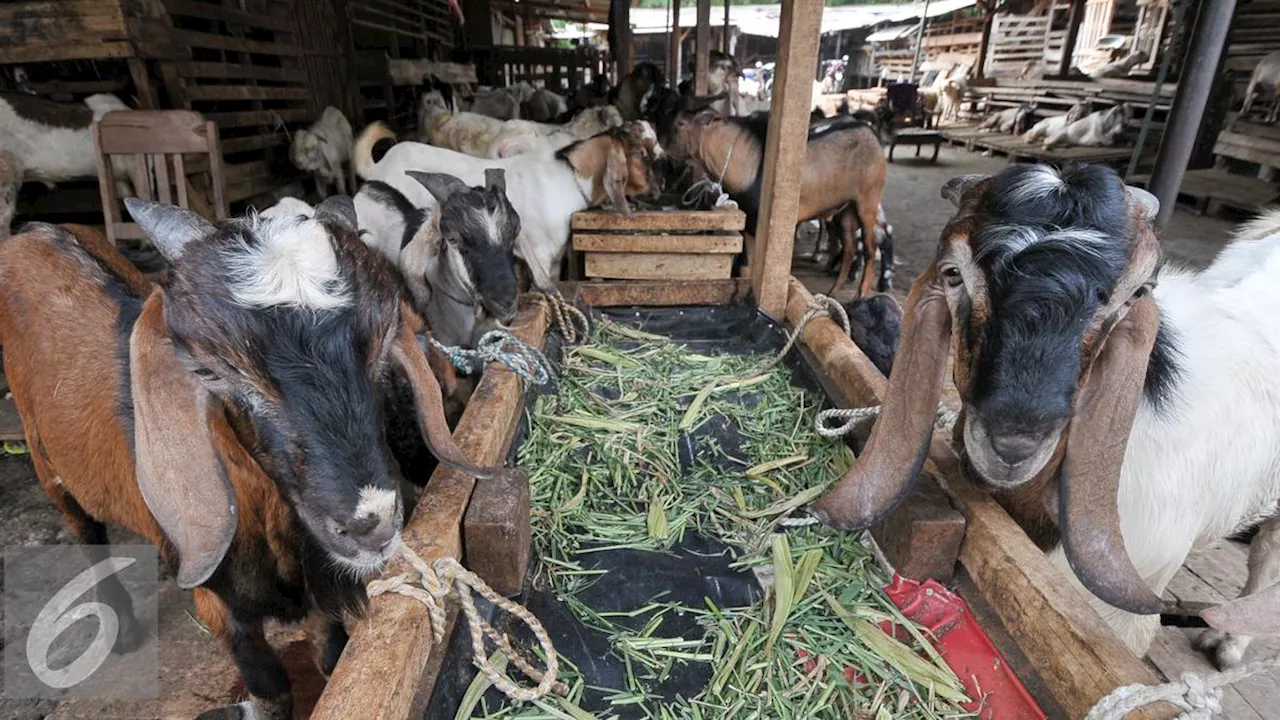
412, 71
658, 266
10, 424
237, 71
379, 672
32, 52
153, 131
588, 242
254, 142
847, 367
921, 538
245, 92
498, 534
189, 38
228, 14
658, 294
784, 153
660, 220
258, 117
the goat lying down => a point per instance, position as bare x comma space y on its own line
324, 150
844, 171
544, 190
1121, 421
1096, 129
456, 257
50, 142
239, 426
486, 137
1054, 125
1014, 120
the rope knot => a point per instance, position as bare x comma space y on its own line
500, 346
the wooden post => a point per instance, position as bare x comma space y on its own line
799, 30
702, 61
1073, 32
673, 46
728, 31
988, 21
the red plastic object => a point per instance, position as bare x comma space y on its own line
997, 692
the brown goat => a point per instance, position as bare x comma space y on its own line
843, 176
238, 428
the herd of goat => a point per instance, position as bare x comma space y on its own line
255, 412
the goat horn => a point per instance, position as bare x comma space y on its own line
955, 188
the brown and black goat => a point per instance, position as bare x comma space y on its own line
230, 415
634, 94
843, 177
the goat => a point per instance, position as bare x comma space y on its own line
1154, 410
288, 206
953, 92
636, 90
1014, 120
843, 177
1266, 75
545, 190
229, 416
1119, 68
1055, 124
1096, 129
503, 103
722, 79
465, 132
543, 106
456, 258
50, 142
521, 136
324, 149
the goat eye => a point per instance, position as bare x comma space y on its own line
206, 374
952, 275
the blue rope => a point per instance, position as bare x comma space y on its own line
500, 346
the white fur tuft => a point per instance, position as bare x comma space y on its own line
292, 264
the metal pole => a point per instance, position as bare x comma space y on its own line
1198, 72
915, 61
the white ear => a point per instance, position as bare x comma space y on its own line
1146, 201
169, 227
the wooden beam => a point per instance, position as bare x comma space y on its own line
657, 294
1073, 33
673, 46
702, 57
784, 153
379, 672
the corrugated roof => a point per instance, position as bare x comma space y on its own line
895, 32
765, 19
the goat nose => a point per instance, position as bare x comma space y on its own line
372, 533
1013, 449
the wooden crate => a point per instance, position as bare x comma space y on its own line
48, 30
659, 245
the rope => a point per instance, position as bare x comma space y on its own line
569, 320
433, 585
1200, 696
853, 417
713, 187
819, 306
500, 346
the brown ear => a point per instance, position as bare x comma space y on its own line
426, 394
899, 440
179, 473
1257, 614
616, 172
1099, 432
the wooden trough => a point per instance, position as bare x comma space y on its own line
1059, 647
657, 245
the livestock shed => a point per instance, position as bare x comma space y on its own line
544, 420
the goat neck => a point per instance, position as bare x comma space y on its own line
589, 160
729, 155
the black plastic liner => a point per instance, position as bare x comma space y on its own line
694, 571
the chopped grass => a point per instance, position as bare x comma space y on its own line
604, 457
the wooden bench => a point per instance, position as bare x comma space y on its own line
917, 137
1224, 185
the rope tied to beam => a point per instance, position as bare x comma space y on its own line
851, 418
819, 306
572, 323
501, 346
1198, 695
434, 583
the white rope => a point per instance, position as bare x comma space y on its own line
1198, 696
432, 586
714, 187
569, 320
853, 417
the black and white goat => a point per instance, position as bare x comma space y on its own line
1160, 401
50, 142
231, 415
456, 256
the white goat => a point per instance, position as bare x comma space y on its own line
1055, 124
953, 91
1266, 75
1120, 68
522, 136
49, 142
324, 149
1093, 130
544, 190
288, 206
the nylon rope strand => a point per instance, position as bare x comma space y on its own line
501, 346
1199, 696
434, 583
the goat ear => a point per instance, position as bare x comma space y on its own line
426, 394
340, 209
955, 188
1096, 440
169, 227
615, 177
1147, 204
441, 185
179, 473
900, 438
495, 179
1256, 614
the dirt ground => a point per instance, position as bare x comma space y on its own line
199, 674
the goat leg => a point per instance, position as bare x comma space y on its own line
846, 257
885, 283
867, 220
1225, 649
264, 678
